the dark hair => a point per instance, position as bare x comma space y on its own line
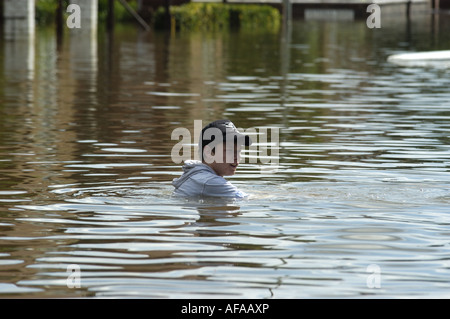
224, 128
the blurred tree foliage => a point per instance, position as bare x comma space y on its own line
191, 16
194, 16
120, 13
46, 10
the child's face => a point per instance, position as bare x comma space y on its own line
227, 159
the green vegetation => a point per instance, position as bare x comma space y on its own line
120, 13
46, 10
216, 16
191, 16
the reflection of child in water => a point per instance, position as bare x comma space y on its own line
220, 150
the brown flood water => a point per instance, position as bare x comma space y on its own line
362, 177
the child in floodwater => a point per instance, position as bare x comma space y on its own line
220, 147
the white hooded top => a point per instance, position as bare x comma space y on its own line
200, 180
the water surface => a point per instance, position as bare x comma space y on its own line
362, 180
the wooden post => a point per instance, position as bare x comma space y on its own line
168, 17
287, 12
110, 19
59, 21
1, 12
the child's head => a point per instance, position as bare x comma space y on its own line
220, 146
